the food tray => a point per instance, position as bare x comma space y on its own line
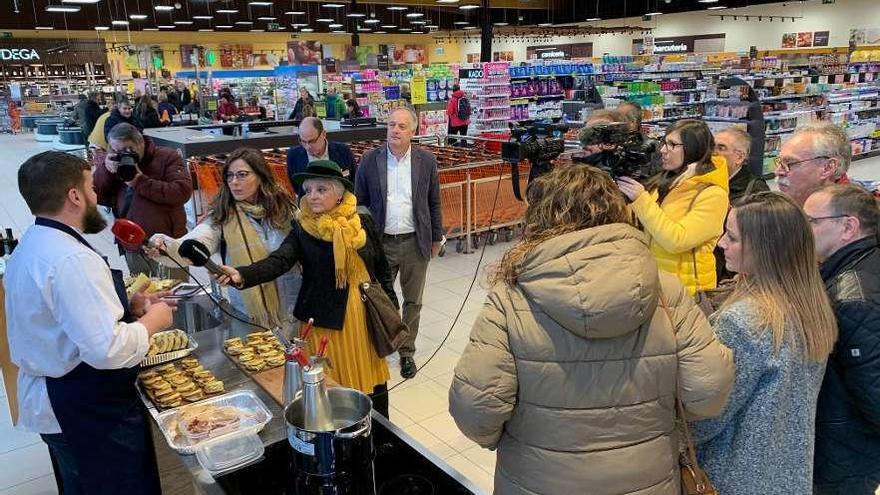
171, 356
249, 343
147, 393
243, 399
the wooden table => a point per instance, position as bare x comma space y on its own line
7, 367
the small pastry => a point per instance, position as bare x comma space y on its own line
189, 363
163, 395
187, 386
235, 350
256, 365
159, 386
233, 342
166, 368
202, 374
254, 338
275, 360
246, 357
194, 396
173, 375
152, 380
195, 370
264, 348
212, 387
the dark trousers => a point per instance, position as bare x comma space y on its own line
404, 258
458, 129
380, 399
857, 485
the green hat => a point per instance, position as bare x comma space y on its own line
322, 169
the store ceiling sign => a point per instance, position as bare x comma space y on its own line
701, 43
470, 73
557, 51
19, 54
671, 47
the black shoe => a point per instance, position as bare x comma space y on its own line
407, 367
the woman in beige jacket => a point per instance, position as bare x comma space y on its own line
574, 364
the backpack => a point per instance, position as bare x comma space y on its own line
464, 109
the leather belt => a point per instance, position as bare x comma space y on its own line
399, 237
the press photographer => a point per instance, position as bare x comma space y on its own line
617, 149
540, 143
147, 184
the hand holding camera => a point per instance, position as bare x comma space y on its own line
124, 164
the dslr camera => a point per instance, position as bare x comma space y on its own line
540, 143
625, 152
127, 160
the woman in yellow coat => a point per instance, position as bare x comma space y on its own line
683, 208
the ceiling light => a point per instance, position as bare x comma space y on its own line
447, 1
468, 7
418, 32
372, 21
405, 29
298, 25
470, 27
397, 7
47, 28
380, 32
716, 7
266, 18
102, 28
335, 26
227, 11
414, 14
307, 30
594, 19
203, 17
83, 2
294, 12
461, 23
183, 23
223, 26
151, 29
164, 8
356, 14
333, 5
326, 19
418, 22
258, 30
260, 4
205, 30
245, 23
654, 13
166, 26
501, 24
387, 26
62, 8
545, 24
137, 17
338, 32
707, 1
119, 23
432, 26
364, 29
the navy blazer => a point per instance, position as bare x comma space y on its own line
371, 189
298, 160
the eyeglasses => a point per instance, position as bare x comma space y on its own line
815, 220
240, 175
310, 142
785, 166
664, 143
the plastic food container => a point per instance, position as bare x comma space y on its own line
228, 453
256, 417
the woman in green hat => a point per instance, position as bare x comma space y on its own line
338, 249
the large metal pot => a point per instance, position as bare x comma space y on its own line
343, 451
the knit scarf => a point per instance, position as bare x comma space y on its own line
342, 227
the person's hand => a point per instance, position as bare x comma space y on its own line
156, 246
630, 188
159, 317
109, 164
137, 174
435, 248
231, 277
140, 302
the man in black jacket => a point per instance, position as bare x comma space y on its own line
314, 145
847, 458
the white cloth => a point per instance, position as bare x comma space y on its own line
398, 204
323, 156
62, 310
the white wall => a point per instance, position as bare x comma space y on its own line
838, 18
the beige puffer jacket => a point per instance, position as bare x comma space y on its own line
571, 374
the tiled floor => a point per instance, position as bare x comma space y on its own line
420, 406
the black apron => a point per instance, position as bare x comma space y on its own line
103, 419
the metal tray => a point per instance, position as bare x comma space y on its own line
171, 356
242, 399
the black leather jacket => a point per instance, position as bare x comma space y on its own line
848, 413
319, 298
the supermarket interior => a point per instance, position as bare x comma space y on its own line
498, 88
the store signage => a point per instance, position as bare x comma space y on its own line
553, 54
701, 43
670, 48
419, 90
557, 51
6, 34
470, 73
18, 54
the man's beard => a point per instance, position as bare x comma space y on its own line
93, 221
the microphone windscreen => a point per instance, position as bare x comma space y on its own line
194, 251
128, 233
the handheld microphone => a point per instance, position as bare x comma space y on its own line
129, 234
199, 255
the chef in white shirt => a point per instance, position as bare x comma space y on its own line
77, 339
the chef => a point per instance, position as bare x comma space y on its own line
76, 337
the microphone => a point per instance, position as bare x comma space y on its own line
129, 234
199, 255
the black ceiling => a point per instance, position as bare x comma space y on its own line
24, 14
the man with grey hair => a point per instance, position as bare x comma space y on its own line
734, 145
632, 114
816, 155
400, 185
844, 220
314, 145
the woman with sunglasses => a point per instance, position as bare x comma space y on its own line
247, 220
683, 207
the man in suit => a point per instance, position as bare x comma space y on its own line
314, 145
400, 186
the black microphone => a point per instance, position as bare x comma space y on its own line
199, 255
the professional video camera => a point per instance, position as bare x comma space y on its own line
127, 160
625, 152
539, 143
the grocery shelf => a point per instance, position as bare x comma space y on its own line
725, 119
778, 132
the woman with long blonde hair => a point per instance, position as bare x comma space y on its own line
779, 323
574, 363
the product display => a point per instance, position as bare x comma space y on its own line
174, 384
257, 352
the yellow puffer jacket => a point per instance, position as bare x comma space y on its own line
683, 230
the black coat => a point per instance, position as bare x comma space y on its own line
848, 412
319, 298
117, 118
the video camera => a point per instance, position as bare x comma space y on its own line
626, 153
539, 143
127, 160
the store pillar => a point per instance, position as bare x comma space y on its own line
485, 32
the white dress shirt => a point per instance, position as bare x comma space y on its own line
62, 310
323, 156
398, 204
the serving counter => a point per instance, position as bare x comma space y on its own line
400, 461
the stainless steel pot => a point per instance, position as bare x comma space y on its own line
342, 451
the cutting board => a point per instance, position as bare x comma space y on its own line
272, 381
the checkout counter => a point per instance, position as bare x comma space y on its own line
210, 139
401, 465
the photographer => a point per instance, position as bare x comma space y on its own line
631, 112
147, 184
683, 207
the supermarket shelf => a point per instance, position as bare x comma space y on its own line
728, 101
495, 107
677, 117
493, 119
778, 132
494, 96
793, 111
788, 97
681, 104
627, 95
713, 118
694, 90
869, 154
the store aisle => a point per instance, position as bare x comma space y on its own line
419, 406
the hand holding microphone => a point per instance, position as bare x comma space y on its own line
199, 255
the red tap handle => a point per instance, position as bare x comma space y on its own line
322, 347
304, 332
300, 356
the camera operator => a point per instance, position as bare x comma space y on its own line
632, 116
147, 184
600, 117
683, 207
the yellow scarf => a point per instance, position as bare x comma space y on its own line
342, 227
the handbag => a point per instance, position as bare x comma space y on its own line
387, 331
709, 300
694, 481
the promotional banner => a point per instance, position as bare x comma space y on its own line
304, 52
820, 38
419, 89
864, 36
236, 55
409, 54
